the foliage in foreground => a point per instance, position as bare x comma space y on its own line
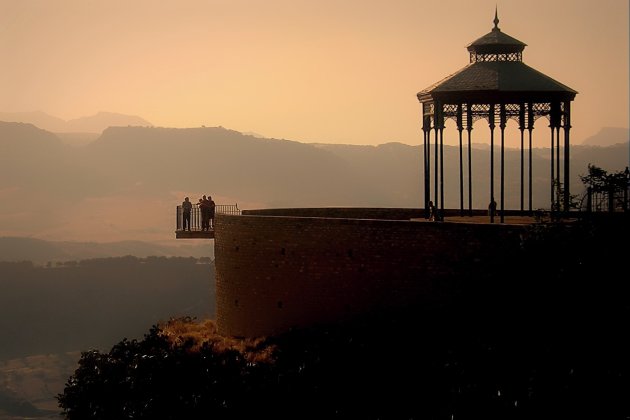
546, 342
366, 372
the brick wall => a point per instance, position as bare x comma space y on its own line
275, 271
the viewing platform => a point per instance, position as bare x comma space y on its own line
196, 232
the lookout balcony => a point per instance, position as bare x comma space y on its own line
195, 231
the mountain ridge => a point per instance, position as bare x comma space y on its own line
608, 136
98, 122
127, 183
88, 124
40, 251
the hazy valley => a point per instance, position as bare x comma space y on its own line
125, 184
48, 315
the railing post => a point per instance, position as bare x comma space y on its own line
611, 198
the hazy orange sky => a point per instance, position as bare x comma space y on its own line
308, 70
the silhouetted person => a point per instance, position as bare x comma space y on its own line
186, 210
211, 208
492, 208
204, 209
431, 211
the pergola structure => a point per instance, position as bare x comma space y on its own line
496, 86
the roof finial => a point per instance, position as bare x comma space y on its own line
496, 19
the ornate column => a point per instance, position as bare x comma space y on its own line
554, 124
502, 125
436, 201
441, 131
567, 127
469, 127
460, 127
491, 125
521, 127
426, 130
530, 128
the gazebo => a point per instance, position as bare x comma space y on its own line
496, 86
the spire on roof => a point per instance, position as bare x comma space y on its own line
496, 19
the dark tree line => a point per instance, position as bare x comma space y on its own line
92, 303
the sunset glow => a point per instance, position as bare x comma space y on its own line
311, 71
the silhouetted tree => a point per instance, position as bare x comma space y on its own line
153, 379
613, 187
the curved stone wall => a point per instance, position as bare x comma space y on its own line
276, 270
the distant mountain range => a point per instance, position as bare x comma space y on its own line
608, 136
40, 252
79, 130
91, 124
126, 184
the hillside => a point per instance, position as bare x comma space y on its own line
89, 124
125, 184
608, 136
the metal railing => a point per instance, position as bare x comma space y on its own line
195, 215
605, 200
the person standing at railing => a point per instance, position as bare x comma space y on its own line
431, 211
186, 210
211, 211
492, 208
200, 205
204, 209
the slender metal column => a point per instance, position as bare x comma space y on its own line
469, 127
460, 127
438, 123
491, 125
530, 128
521, 127
558, 185
567, 128
441, 171
436, 160
502, 127
428, 180
552, 168
554, 123
426, 131
426, 167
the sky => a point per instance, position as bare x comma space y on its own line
326, 71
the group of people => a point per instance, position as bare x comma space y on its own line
206, 208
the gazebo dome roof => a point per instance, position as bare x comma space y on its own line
496, 41
496, 72
509, 78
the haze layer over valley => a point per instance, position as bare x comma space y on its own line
126, 183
